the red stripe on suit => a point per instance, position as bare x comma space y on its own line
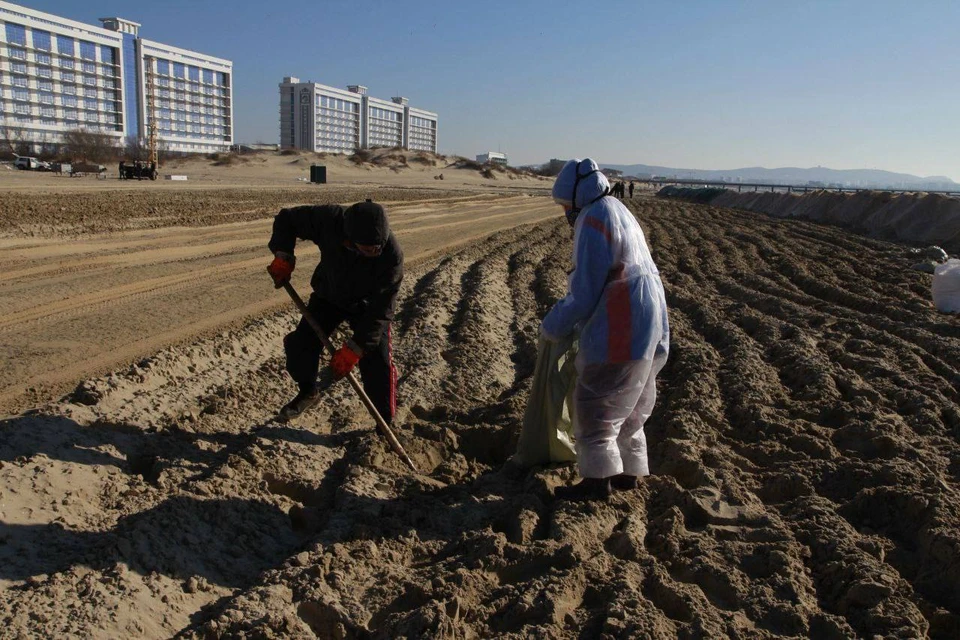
596, 223
393, 373
619, 321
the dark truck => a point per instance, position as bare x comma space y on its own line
137, 170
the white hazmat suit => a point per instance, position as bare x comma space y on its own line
616, 301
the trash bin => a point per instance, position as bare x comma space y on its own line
318, 173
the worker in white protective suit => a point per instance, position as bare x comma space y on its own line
616, 303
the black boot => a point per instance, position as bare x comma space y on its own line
623, 482
303, 401
587, 489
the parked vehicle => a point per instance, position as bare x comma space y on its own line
138, 170
27, 163
83, 168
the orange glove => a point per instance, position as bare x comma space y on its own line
344, 360
281, 268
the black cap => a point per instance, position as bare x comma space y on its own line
366, 223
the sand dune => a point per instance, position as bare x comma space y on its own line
925, 218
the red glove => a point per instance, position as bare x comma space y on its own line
344, 360
281, 269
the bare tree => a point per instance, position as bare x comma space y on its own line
13, 142
89, 146
49, 151
135, 149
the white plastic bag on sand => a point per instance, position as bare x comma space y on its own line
548, 421
946, 286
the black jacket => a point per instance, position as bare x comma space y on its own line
365, 288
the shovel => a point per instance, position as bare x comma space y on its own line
382, 425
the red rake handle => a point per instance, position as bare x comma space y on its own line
382, 425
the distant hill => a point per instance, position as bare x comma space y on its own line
794, 175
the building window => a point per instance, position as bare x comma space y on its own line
16, 34
178, 70
21, 81
41, 40
43, 58
108, 55
65, 45
70, 90
18, 67
45, 85
17, 54
88, 51
163, 67
66, 63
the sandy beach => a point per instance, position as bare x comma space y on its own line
805, 446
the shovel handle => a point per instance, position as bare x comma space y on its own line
382, 425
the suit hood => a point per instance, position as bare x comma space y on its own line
592, 184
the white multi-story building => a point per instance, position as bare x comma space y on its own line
493, 157
58, 75
319, 118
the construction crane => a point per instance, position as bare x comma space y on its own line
140, 169
152, 119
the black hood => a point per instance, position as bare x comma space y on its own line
366, 223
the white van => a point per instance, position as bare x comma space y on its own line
26, 162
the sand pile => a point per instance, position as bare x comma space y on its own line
804, 449
911, 217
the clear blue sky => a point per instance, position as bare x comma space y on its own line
693, 84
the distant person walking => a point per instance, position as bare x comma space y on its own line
616, 301
631, 189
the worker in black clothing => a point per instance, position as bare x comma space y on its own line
357, 280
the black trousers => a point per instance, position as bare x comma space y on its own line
303, 349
